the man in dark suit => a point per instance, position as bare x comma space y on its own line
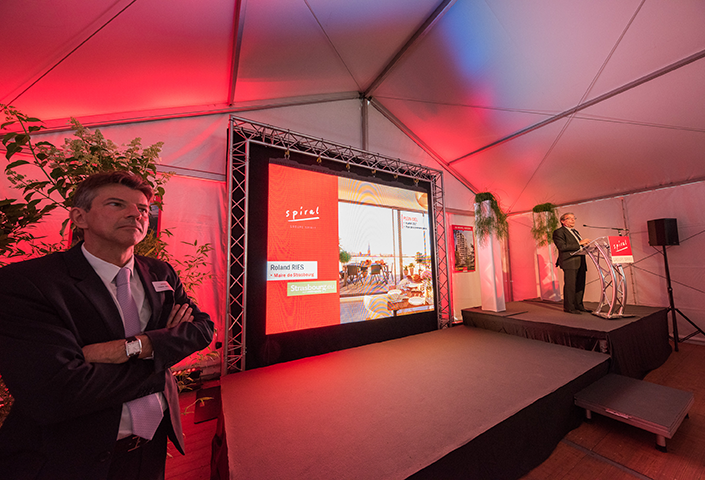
76, 375
567, 241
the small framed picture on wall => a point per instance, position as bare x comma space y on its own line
464, 243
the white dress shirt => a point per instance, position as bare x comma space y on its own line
107, 273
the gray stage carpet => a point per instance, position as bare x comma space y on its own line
403, 407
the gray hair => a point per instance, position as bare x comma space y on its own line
565, 215
88, 188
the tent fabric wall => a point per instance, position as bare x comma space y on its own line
195, 204
198, 212
686, 261
195, 207
338, 121
646, 283
522, 258
465, 285
341, 122
196, 148
522, 246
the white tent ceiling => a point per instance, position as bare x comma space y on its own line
537, 101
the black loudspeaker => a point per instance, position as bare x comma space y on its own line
663, 231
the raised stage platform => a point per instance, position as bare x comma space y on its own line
455, 403
636, 344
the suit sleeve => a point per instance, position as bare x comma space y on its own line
42, 362
563, 244
171, 345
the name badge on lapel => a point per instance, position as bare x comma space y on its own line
162, 286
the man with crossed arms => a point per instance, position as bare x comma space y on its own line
86, 356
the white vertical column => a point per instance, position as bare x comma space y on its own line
548, 277
546, 257
489, 262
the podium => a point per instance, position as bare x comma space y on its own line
613, 295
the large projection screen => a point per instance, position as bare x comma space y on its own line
327, 255
337, 247
302, 299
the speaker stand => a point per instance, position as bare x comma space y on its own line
672, 308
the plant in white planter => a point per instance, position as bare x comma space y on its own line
545, 221
46, 177
489, 220
491, 227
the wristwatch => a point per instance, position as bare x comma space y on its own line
133, 347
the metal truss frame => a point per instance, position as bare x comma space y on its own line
238, 154
244, 132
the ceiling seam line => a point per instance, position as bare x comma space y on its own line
639, 124
582, 99
428, 150
624, 194
71, 53
420, 32
545, 114
465, 105
203, 112
538, 112
626, 87
239, 24
548, 152
614, 49
332, 45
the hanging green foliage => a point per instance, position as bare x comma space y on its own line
59, 171
56, 174
545, 221
494, 222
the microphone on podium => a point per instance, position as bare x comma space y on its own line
620, 231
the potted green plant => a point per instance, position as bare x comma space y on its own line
344, 256
545, 221
62, 169
422, 260
490, 228
489, 217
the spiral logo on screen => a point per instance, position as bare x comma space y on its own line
302, 214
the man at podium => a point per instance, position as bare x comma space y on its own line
567, 241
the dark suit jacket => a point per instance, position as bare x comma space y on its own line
66, 414
566, 243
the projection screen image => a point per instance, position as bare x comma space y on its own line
341, 250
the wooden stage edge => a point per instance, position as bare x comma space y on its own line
454, 403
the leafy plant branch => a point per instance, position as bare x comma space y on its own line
545, 221
62, 169
494, 221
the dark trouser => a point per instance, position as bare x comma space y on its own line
573, 289
147, 462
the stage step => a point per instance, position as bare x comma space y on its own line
651, 407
